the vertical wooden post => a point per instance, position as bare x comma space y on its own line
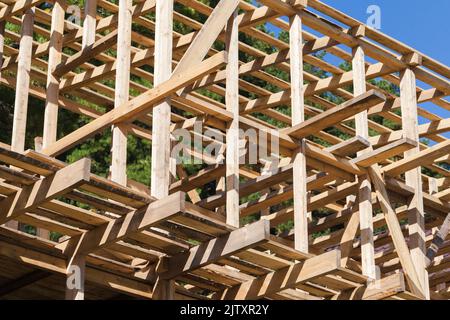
51, 103
22, 88
23, 82
160, 179
90, 23
416, 216
232, 105
2, 44
161, 145
122, 91
298, 116
365, 187
76, 269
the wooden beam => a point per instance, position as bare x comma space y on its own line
143, 103
417, 159
438, 240
52, 98
89, 23
131, 223
18, 7
396, 233
121, 93
336, 114
376, 290
204, 39
300, 191
45, 189
161, 145
284, 278
370, 158
349, 147
2, 44
238, 240
232, 139
53, 262
23, 82
89, 52
365, 188
433, 127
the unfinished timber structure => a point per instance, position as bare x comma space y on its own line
384, 197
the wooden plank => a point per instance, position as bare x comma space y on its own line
89, 23
161, 145
349, 147
383, 153
365, 215
438, 240
232, 139
121, 93
385, 287
125, 226
89, 52
136, 106
396, 232
417, 159
204, 39
52, 98
300, 191
18, 7
335, 115
285, 278
216, 249
23, 82
2, 44
57, 264
45, 189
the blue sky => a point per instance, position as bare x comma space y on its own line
423, 25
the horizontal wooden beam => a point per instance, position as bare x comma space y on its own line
423, 157
133, 222
285, 278
48, 188
86, 54
385, 152
335, 115
206, 253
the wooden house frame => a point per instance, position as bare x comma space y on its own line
385, 234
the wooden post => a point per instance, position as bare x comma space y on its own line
51, 103
2, 44
22, 88
122, 91
160, 175
365, 188
232, 105
23, 82
90, 23
413, 178
298, 116
43, 233
164, 289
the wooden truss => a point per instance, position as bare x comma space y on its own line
384, 234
